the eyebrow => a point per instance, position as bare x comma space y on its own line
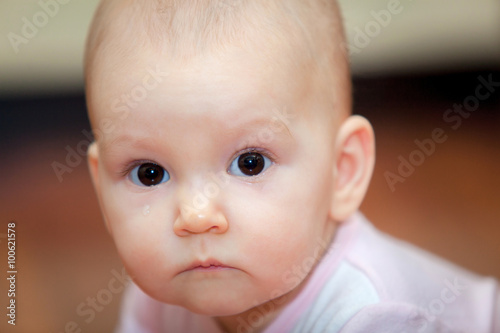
266, 122
129, 139
144, 140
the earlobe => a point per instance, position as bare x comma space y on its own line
355, 159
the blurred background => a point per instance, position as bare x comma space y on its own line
412, 61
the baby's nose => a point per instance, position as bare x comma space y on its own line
198, 213
201, 221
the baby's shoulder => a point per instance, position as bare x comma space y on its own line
404, 285
398, 317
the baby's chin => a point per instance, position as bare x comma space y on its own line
214, 306
215, 303
215, 309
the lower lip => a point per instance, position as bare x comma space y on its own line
210, 268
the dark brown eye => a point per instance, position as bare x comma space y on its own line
249, 164
149, 174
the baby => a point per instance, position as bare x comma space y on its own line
229, 172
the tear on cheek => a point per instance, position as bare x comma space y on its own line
146, 210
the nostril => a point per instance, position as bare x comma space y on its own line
214, 229
198, 223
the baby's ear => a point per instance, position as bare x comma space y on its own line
355, 159
93, 162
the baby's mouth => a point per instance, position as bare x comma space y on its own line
209, 265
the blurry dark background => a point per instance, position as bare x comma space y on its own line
428, 58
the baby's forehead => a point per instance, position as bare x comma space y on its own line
183, 29
281, 33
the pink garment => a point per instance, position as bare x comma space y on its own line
367, 282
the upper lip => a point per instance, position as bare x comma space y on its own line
205, 264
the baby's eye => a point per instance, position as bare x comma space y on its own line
149, 174
249, 164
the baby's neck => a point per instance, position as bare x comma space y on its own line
252, 320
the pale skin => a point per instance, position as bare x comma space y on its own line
224, 255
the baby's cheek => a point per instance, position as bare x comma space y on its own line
136, 239
142, 260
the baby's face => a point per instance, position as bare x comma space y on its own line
216, 185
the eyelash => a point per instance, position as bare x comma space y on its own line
127, 168
251, 149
